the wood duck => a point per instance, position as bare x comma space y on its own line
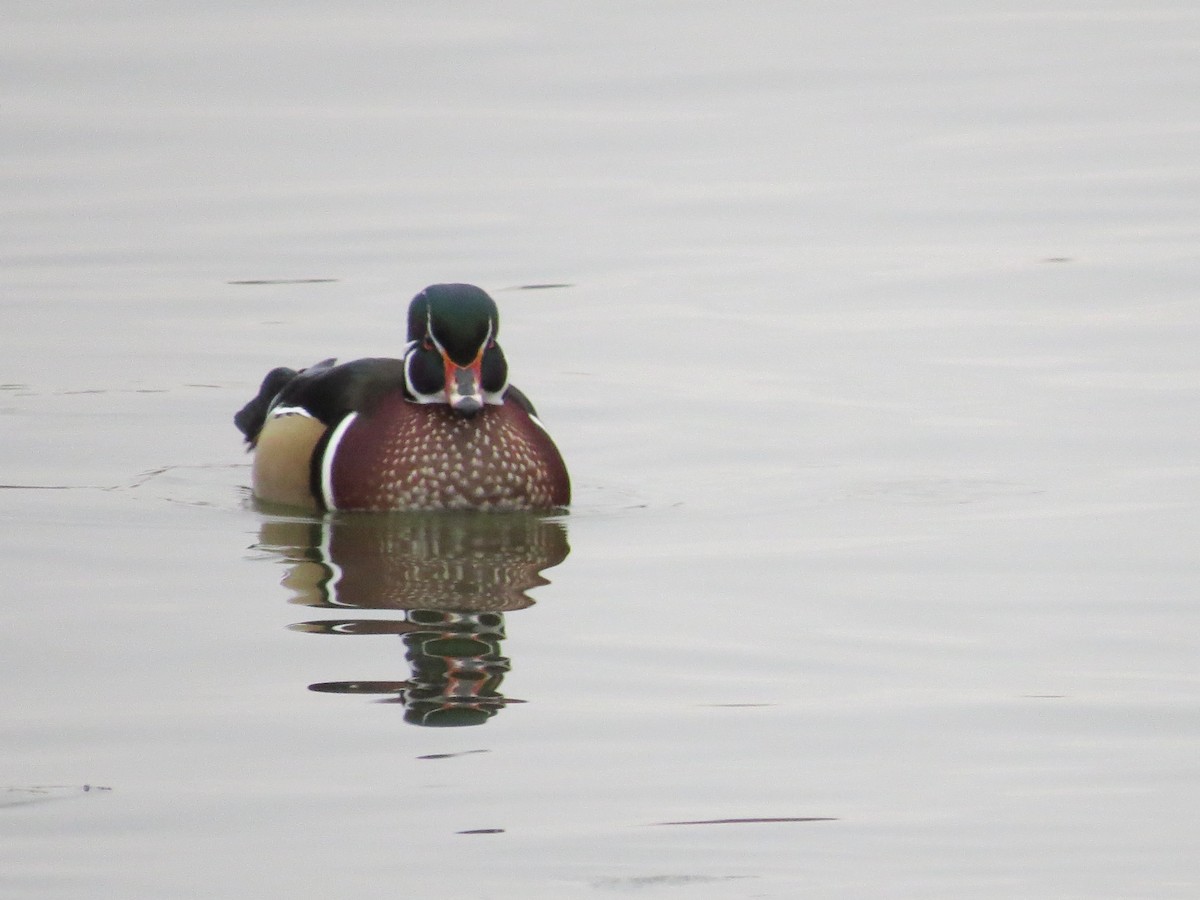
440, 428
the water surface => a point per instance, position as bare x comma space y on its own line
868, 336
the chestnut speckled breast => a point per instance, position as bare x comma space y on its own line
440, 428
409, 456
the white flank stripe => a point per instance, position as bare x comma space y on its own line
278, 411
327, 460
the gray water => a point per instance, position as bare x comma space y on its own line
868, 333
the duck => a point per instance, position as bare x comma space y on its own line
438, 428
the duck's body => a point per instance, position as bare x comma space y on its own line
439, 429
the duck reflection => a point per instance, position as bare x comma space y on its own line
452, 576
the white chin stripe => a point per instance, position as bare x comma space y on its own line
327, 457
428, 398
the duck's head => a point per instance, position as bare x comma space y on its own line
452, 355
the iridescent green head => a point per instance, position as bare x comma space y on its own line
452, 356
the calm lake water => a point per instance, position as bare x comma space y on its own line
869, 334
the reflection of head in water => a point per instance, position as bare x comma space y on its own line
456, 668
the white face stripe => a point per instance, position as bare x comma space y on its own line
442, 350
418, 397
331, 447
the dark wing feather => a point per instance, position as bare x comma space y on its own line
250, 418
519, 398
327, 391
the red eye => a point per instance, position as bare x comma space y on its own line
427, 344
